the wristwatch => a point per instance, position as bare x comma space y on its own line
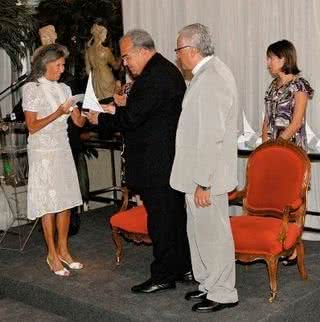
204, 188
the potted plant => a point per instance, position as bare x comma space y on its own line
17, 30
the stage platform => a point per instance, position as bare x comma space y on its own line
101, 291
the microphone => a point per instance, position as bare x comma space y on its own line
20, 79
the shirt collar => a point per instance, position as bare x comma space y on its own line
200, 64
44, 80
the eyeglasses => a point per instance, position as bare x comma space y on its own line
183, 47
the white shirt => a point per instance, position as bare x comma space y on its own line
201, 63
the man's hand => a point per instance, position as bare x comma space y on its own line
120, 100
202, 197
109, 108
92, 117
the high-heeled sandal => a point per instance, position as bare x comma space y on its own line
289, 262
62, 272
73, 265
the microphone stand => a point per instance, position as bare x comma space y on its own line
13, 172
20, 81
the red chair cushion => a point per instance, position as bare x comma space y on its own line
132, 220
261, 235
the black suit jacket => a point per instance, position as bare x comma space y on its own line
149, 123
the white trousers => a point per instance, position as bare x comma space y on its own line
212, 248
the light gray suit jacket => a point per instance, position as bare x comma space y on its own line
206, 140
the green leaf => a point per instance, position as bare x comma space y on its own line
17, 30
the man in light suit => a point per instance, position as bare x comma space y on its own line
205, 167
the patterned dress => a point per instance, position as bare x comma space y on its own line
279, 108
53, 184
280, 105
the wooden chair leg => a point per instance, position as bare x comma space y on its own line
117, 240
300, 257
272, 264
125, 198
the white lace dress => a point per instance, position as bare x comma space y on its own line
53, 184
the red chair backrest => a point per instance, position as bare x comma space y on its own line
277, 175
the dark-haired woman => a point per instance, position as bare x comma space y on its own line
53, 186
286, 101
286, 97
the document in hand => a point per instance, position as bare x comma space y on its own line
90, 100
78, 98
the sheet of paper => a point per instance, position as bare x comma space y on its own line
78, 98
90, 100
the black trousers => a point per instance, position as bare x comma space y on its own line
167, 221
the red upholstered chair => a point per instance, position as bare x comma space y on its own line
131, 223
274, 204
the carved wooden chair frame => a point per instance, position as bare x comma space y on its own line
289, 214
118, 233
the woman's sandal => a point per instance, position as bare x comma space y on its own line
73, 265
289, 262
62, 272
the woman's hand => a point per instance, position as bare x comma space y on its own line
92, 117
78, 119
66, 107
109, 108
301, 100
120, 100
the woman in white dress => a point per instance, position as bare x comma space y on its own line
53, 186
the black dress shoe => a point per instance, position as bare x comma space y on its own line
150, 287
211, 306
195, 295
186, 277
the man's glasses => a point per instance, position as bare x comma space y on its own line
183, 47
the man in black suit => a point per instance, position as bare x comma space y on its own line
148, 122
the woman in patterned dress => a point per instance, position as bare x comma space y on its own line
286, 101
53, 186
286, 97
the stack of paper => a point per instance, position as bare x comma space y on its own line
90, 100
